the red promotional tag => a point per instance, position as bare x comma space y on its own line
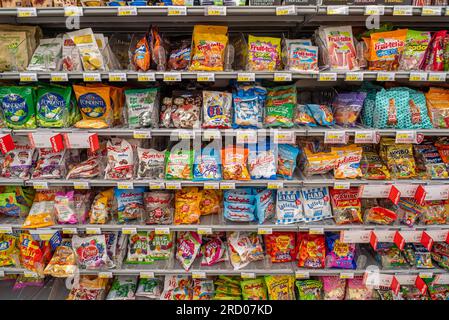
426, 241
57, 143
394, 195
399, 240
395, 286
421, 285
447, 238
93, 142
420, 195
373, 240
6, 143
47, 140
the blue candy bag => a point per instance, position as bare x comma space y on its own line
129, 204
286, 161
248, 107
207, 165
265, 205
322, 114
235, 197
242, 212
262, 160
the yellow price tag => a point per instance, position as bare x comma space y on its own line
127, 11
264, 231
129, 230
215, 11
146, 77
327, 77
246, 77
45, 236
105, 275
162, 231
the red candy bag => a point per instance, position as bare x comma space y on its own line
281, 246
311, 250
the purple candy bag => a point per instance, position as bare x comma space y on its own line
347, 107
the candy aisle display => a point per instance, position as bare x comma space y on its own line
212, 155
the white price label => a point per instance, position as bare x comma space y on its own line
59, 77
28, 77
285, 10
5, 230
141, 134
377, 280
117, 76
211, 134
264, 231
385, 235
205, 77
124, 185
157, 185
302, 274
248, 275
368, 136
346, 275
275, 185
438, 235
211, 185
40, 185
442, 278
91, 77
186, 134
342, 185
407, 190
73, 11
417, 76
246, 136
173, 185
426, 275
129, 230
385, 76
355, 236
215, 11
2, 273
337, 10
411, 236
406, 279
81, 140
162, 230
81, 185
172, 77
146, 77
284, 137
177, 11
354, 76
69, 231
282, 77
327, 76
227, 185
402, 10
246, 77
93, 231
431, 11
374, 191
446, 11
335, 137
407, 137
127, 11
30, 274
105, 275
436, 192
437, 76
374, 10
316, 230
198, 275
26, 12
146, 275
204, 230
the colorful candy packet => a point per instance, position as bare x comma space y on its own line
340, 46
63, 262
302, 58
248, 106
95, 106
340, 255
90, 251
53, 106
123, 288
311, 250
209, 44
187, 206
280, 287
346, 206
207, 164
179, 164
280, 106
264, 53
213, 250
416, 44
262, 160
265, 205
235, 161
18, 107
281, 246
348, 162
244, 247
333, 287
309, 289
385, 49
286, 161
254, 289
217, 109
433, 59
187, 248
210, 201
316, 204
347, 108
288, 206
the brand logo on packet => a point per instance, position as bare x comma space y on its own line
92, 105
49, 104
14, 107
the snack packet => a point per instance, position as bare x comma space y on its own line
209, 44
416, 43
346, 206
159, 207
248, 107
244, 248
142, 106
139, 248
207, 165
213, 250
265, 205
309, 289
129, 204
348, 162
179, 164
262, 160
279, 106
90, 53
141, 55
281, 246
340, 46
286, 161
53, 106
123, 288
187, 206
210, 201
234, 161
120, 160
101, 207
316, 204
95, 106
63, 262
333, 288
18, 162
151, 164
264, 53
18, 107
90, 251
280, 287
385, 49
340, 255
187, 248
41, 215
217, 108
288, 206
311, 251
302, 58
254, 289
347, 107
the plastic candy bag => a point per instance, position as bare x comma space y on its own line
129, 204
142, 106
333, 288
265, 205
123, 288
141, 55
248, 106
139, 248
90, 168
90, 251
101, 207
120, 160
187, 205
254, 289
262, 160
280, 287
151, 164
179, 57
179, 164
303, 116
244, 247
63, 262
18, 162
188, 247
264, 53
65, 208
88, 48
416, 44
309, 289
288, 206
50, 164
385, 49
213, 250
347, 107
280, 106
95, 106
149, 288
209, 43
339, 254
160, 245
210, 201
159, 207
348, 162
183, 110
322, 114
286, 161
311, 251
316, 204
340, 46
203, 289
17, 105
207, 165
346, 206
41, 215
217, 108
53, 106
234, 161
9, 253
302, 58
281, 246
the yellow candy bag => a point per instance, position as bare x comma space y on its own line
210, 201
101, 207
95, 107
8, 251
264, 53
209, 44
90, 53
320, 162
63, 262
348, 162
400, 161
385, 49
117, 100
187, 205
280, 287
41, 215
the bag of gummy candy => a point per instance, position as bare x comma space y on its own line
288, 206
265, 205
286, 161
129, 204
322, 114
188, 245
254, 289
347, 107
309, 289
316, 204
264, 53
217, 108
90, 251
234, 161
213, 250
280, 106
311, 250
333, 287
179, 164
281, 246
280, 287
340, 255
207, 165
248, 106
262, 160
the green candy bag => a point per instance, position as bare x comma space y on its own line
17, 104
309, 289
53, 106
254, 289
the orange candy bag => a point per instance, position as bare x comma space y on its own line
187, 205
235, 161
95, 106
385, 49
209, 44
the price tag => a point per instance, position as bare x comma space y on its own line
374, 10
246, 136
93, 231
246, 77
431, 11
26, 12
327, 76
227, 185
172, 77
264, 231
124, 185
69, 231
47, 140
204, 231
275, 185
146, 275
377, 280
177, 11
316, 230
30, 274
81, 185
73, 11
105, 275
28, 77
161, 231
302, 274
406, 279
438, 235
436, 192
127, 11
146, 77
157, 185
407, 190
282, 77
248, 275
211, 185
198, 275
186, 134
347, 275
417, 76
337, 10
211, 134
285, 10
446, 11
215, 11
205, 76
385, 235
437, 76
335, 137
426, 275
368, 136
408, 137
402, 10
5, 229
342, 185
411, 236
40, 185
128, 230
82, 140
117, 76
2, 273
91, 77
141, 134
374, 191
385, 76
284, 137
59, 77
171, 185
46, 236
355, 236
442, 278
354, 76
